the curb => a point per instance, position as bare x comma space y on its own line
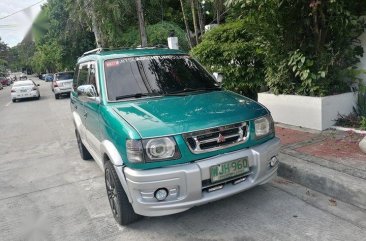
331, 182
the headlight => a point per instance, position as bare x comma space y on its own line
150, 150
263, 126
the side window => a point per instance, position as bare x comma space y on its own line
83, 75
92, 76
75, 79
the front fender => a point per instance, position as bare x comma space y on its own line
108, 148
111, 151
77, 121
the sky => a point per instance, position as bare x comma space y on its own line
14, 28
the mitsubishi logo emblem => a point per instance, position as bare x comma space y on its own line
221, 138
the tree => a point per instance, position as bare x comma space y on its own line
186, 24
140, 14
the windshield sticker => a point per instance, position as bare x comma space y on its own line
114, 63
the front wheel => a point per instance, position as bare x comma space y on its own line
121, 208
57, 96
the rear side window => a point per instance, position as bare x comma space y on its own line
83, 75
65, 76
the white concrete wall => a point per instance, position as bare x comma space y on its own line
332, 105
316, 113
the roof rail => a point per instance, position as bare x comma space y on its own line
93, 51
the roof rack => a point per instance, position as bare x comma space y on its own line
99, 50
94, 51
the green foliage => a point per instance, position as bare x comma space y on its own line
361, 101
157, 35
311, 46
363, 123
237, 52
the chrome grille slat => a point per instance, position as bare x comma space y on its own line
217, 138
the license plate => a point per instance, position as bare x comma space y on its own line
229, 169
23, 90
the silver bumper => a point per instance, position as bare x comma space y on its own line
184, 182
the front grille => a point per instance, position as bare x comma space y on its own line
217, 138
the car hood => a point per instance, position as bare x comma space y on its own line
172, 115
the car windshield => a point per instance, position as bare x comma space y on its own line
23, 83
155, 75
65, 76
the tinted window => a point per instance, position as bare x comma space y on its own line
83, 75
75, 79
65, 76
155, 75
92, 76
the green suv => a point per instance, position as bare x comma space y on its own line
166, 135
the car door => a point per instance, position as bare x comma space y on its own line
92, 106
78, 97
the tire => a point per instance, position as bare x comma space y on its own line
121, 208
38, 97
57, 96
84, 153
14, 100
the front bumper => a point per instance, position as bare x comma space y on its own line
185, 182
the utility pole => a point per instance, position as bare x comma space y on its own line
140, 14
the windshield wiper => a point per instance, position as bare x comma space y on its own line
136, 95
187, 90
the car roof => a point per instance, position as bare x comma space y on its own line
65, 72
19, 82
105, 54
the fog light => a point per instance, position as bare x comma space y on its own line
161, 194
273, 161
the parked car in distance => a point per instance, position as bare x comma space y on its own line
24, 89
62, 83
23, 76
166, 135
48, 78
5, 81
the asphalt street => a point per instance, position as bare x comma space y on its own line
48, 193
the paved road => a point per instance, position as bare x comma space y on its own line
48, 193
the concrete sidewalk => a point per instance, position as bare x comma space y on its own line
329, 162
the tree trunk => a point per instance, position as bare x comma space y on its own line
219, 8
186, 24
89, 9
193, 8
200, 17
140, 14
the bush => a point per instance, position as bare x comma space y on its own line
311, 46
235, 51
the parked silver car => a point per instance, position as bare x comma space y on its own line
62, 83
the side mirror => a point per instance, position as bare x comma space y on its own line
218, 76
88, 93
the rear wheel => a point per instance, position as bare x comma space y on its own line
14, 100
121, 208
84, 153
